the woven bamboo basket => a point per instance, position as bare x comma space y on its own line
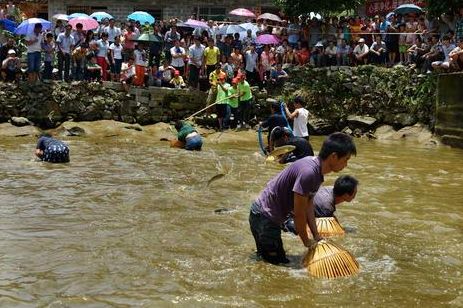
328, 260
329, 226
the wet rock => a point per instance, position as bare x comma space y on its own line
405, 119
360, 122
384, 132
20, 121
318, 126
136, 127
9, 130
418, 132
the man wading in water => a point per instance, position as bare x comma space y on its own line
293, 189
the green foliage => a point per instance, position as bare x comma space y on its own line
297, 7
366, 90
438, 7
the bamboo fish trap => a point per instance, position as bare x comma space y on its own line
329, 260
329, 226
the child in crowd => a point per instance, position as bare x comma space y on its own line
177, 82
93, 70
128, 73
48, 47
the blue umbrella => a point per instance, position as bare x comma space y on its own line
249, 26
75, 15
27, 26
99, 16
230, 29
408, 9
141, 17
8, 25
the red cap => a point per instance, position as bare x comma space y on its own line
176, 73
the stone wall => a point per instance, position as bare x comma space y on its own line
48, 105
449, 109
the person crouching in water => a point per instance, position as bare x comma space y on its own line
281, 136
326, 199
51, 150
189, 136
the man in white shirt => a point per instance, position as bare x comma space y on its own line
330, 54
34, 48
361, 52
251, 57
112, 31
300, 117
65, 44
178, 57
195, 62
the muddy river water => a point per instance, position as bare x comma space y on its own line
133, 223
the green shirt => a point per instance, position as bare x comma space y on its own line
233, 101
221, 94
245, 91
185, 131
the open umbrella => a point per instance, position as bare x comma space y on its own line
8, 25
408, 9
27, 26
195, 23
269, 16
75, 15
249, 26
101, 15
242, 12
267, 39
141, 17
60, 17
88, 23
230, 29
145, 38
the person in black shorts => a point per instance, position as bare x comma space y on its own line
282, 136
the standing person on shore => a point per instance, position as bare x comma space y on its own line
245, 101
115, 51
65, 43
140, 65
300, 117
178, 56
195, 62
211, 56
51, 150
292, 190
222, 107
48, 48
34, 52
102, 55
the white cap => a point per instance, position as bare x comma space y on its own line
319, 44
361, 40
11, 51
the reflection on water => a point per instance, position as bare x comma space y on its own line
131, 223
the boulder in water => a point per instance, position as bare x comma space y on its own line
20, 121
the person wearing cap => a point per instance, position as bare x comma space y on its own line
317, 55
213, 81
177, 82
10, 44
281, 136
178, 57
300, 117
51, 150
34, 52
233, 98
222, 105
11, 67
195, 60
245, 102
188, 136
361, 52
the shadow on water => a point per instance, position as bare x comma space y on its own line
128, 223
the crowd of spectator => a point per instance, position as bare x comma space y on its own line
179, 56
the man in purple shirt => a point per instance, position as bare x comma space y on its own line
292, 191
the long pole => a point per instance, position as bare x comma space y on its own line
207, 107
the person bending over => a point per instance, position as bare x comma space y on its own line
51, 150
281, 136
292, 190
326, 199
189, 136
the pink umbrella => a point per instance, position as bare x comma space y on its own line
243, 13
267, 39
195, 23
269, 16
88, 23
